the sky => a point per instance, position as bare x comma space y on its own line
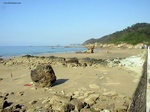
64, 22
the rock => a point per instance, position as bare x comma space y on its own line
66, 104
28, 56
72, 60
91, 99
105, 110
76, 93
45, 101
121, 110
44, 110
1, 102
57, 105
68, 108
30, 110
60, 98
94, 86
86, 94
12, 93
43, 76
9, 109
78, 104
1, 79
84, 65
32, 102
62, 92
100, 106
47, 105
21, 93
62, 106
90, 49
85, 110
61, 103
110, 93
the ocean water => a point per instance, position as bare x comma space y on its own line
10, 51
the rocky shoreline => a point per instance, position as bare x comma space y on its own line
93, 98
32, 61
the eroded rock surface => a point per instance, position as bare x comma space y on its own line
43, 76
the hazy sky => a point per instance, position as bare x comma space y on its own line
52, 22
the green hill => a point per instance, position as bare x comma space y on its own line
137, 33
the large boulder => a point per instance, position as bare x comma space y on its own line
43, 76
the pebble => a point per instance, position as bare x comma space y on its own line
45, 101
12, 93
105, 110
32, 102
63, 92
21, 93
101, 78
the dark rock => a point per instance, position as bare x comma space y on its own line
87, 60
60, 59
1, 79
6, 104
1, 60
68, 107
43, 76
57, 59
18, 106
42, 57
78, 104
3, 102
21, 93
72, 60
84, 65
28, 56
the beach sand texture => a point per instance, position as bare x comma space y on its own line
101, 87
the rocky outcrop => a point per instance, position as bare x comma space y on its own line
43, 76
1, 60
118, 46
33, 61
90, 49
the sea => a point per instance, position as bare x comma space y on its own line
12, 51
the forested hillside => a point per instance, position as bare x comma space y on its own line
135, 34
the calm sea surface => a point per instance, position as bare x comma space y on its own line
9, 51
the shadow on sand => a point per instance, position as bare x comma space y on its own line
60, 81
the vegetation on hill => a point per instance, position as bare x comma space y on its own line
137, 33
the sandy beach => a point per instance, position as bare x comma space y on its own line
102, 87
